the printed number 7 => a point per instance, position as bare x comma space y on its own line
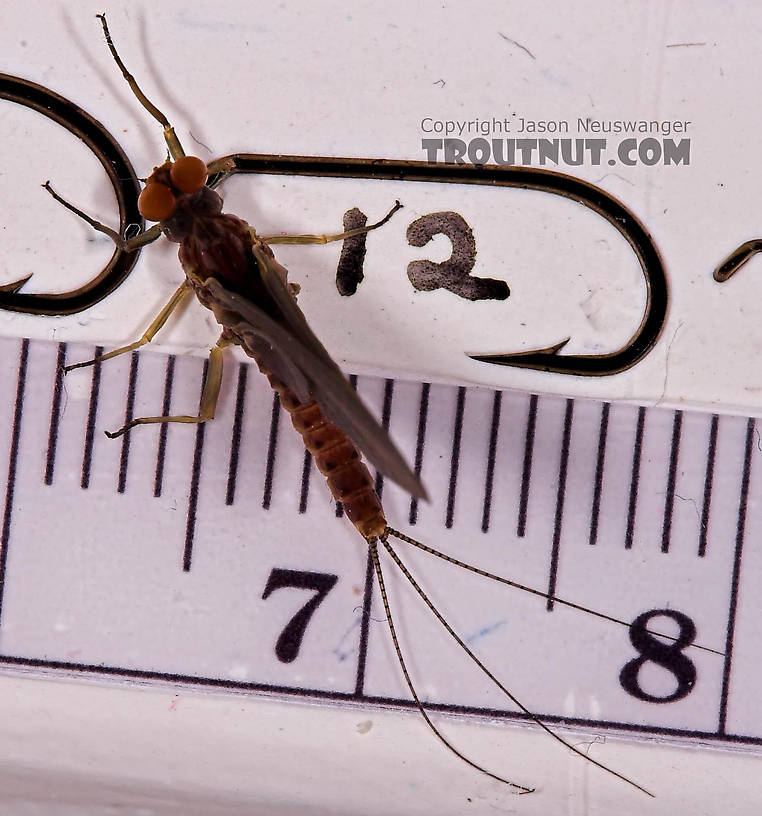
287, 647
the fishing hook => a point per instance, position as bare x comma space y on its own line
526, 178
127, 189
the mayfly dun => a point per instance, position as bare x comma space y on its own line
233, 272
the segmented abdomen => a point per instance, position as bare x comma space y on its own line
337, 459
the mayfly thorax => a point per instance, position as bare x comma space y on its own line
232, 271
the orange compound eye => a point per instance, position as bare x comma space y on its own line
156, 202
188, 174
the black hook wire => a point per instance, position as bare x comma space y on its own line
127, 189
123, 180
737, 258
527, 178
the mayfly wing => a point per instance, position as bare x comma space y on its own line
344, 408
327, 384
274, 276
281, 365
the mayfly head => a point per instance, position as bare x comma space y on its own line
176, 193
167, 183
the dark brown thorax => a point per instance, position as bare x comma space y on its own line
213, 244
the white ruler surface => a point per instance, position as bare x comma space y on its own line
187, 554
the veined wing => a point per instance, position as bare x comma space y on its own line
274, 276
327, 384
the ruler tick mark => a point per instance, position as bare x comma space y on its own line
10, 484
158, 479
526, 475
271, 449
455, 458
735, 579
386, 416
235, 442
305, 489
708, 483
560, 496
362, 652
637, 452
423, 411
55, 414
92, 413
190, 527
669, 499
339, 505
131, 389
599, 466
491, 456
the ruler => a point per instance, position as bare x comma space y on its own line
214, 557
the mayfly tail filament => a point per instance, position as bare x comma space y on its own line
390, 531
387, 611
384, 538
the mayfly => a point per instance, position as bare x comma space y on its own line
233, 272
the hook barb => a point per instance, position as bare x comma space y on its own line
534, 358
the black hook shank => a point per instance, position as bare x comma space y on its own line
527, 178
127, 189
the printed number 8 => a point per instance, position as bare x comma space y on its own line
668, 655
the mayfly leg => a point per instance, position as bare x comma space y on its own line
211, 391
181, 293
327, 239
209, 396
146, 237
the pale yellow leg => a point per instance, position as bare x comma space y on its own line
177, 298
209, 396
326, 239
140, 240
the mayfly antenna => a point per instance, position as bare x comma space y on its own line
170, 137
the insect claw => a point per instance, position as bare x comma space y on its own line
67, 368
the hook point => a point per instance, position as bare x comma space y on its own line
14, 287
534, 358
